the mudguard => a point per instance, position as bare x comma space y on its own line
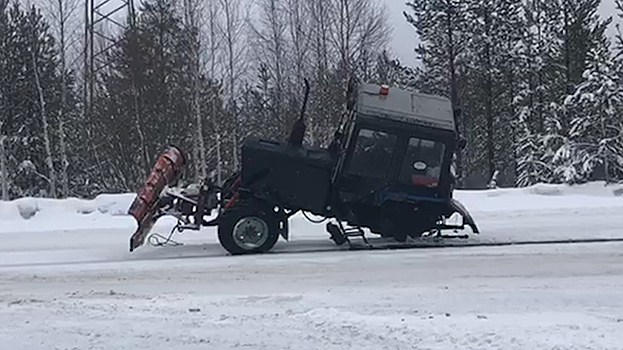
467, 217
144, 207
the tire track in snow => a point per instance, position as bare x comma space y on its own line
300, 249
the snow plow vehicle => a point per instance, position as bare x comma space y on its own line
388, 169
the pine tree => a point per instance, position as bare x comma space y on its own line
32, 101
442, 28
537, 92
5, 84
532, 165
491, 71
618, 42
145, 106
596, 135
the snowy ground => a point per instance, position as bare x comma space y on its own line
67, 281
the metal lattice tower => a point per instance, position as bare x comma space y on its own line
99, 17
101, 20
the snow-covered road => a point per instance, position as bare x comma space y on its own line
78, 288
538, 297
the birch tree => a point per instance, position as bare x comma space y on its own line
323, 110
232, 30
298, 33
62, 14
192, 11
269, 36
358, 29
34, 20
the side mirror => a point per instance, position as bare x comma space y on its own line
462, 143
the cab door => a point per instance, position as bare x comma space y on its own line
370, 159
424, 167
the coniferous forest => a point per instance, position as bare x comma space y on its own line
540, 85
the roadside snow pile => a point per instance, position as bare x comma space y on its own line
543, 196
110, 210
43, 213
27, 208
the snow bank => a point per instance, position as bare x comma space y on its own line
543, 196
110, 210
27, 208
28, 214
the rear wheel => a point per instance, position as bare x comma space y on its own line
248, 229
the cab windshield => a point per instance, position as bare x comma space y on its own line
372, 154
422, 163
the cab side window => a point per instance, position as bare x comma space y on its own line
422, 163
372, 154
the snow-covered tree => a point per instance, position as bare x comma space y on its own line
596, 134
495, 29
536, 93
555, 52
30, 95
442, 27
532, 165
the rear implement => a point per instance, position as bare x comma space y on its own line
145, 206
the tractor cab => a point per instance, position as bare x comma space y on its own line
398, 143
393, 173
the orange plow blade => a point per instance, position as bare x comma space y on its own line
144, 207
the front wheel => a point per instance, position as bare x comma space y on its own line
248, 229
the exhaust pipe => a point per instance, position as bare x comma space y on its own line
165, 172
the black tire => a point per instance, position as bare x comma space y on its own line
251, 216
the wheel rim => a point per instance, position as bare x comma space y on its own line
250, 233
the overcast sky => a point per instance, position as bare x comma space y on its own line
405, 39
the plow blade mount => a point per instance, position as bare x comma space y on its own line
164, 173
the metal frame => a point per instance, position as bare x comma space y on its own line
96, 14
